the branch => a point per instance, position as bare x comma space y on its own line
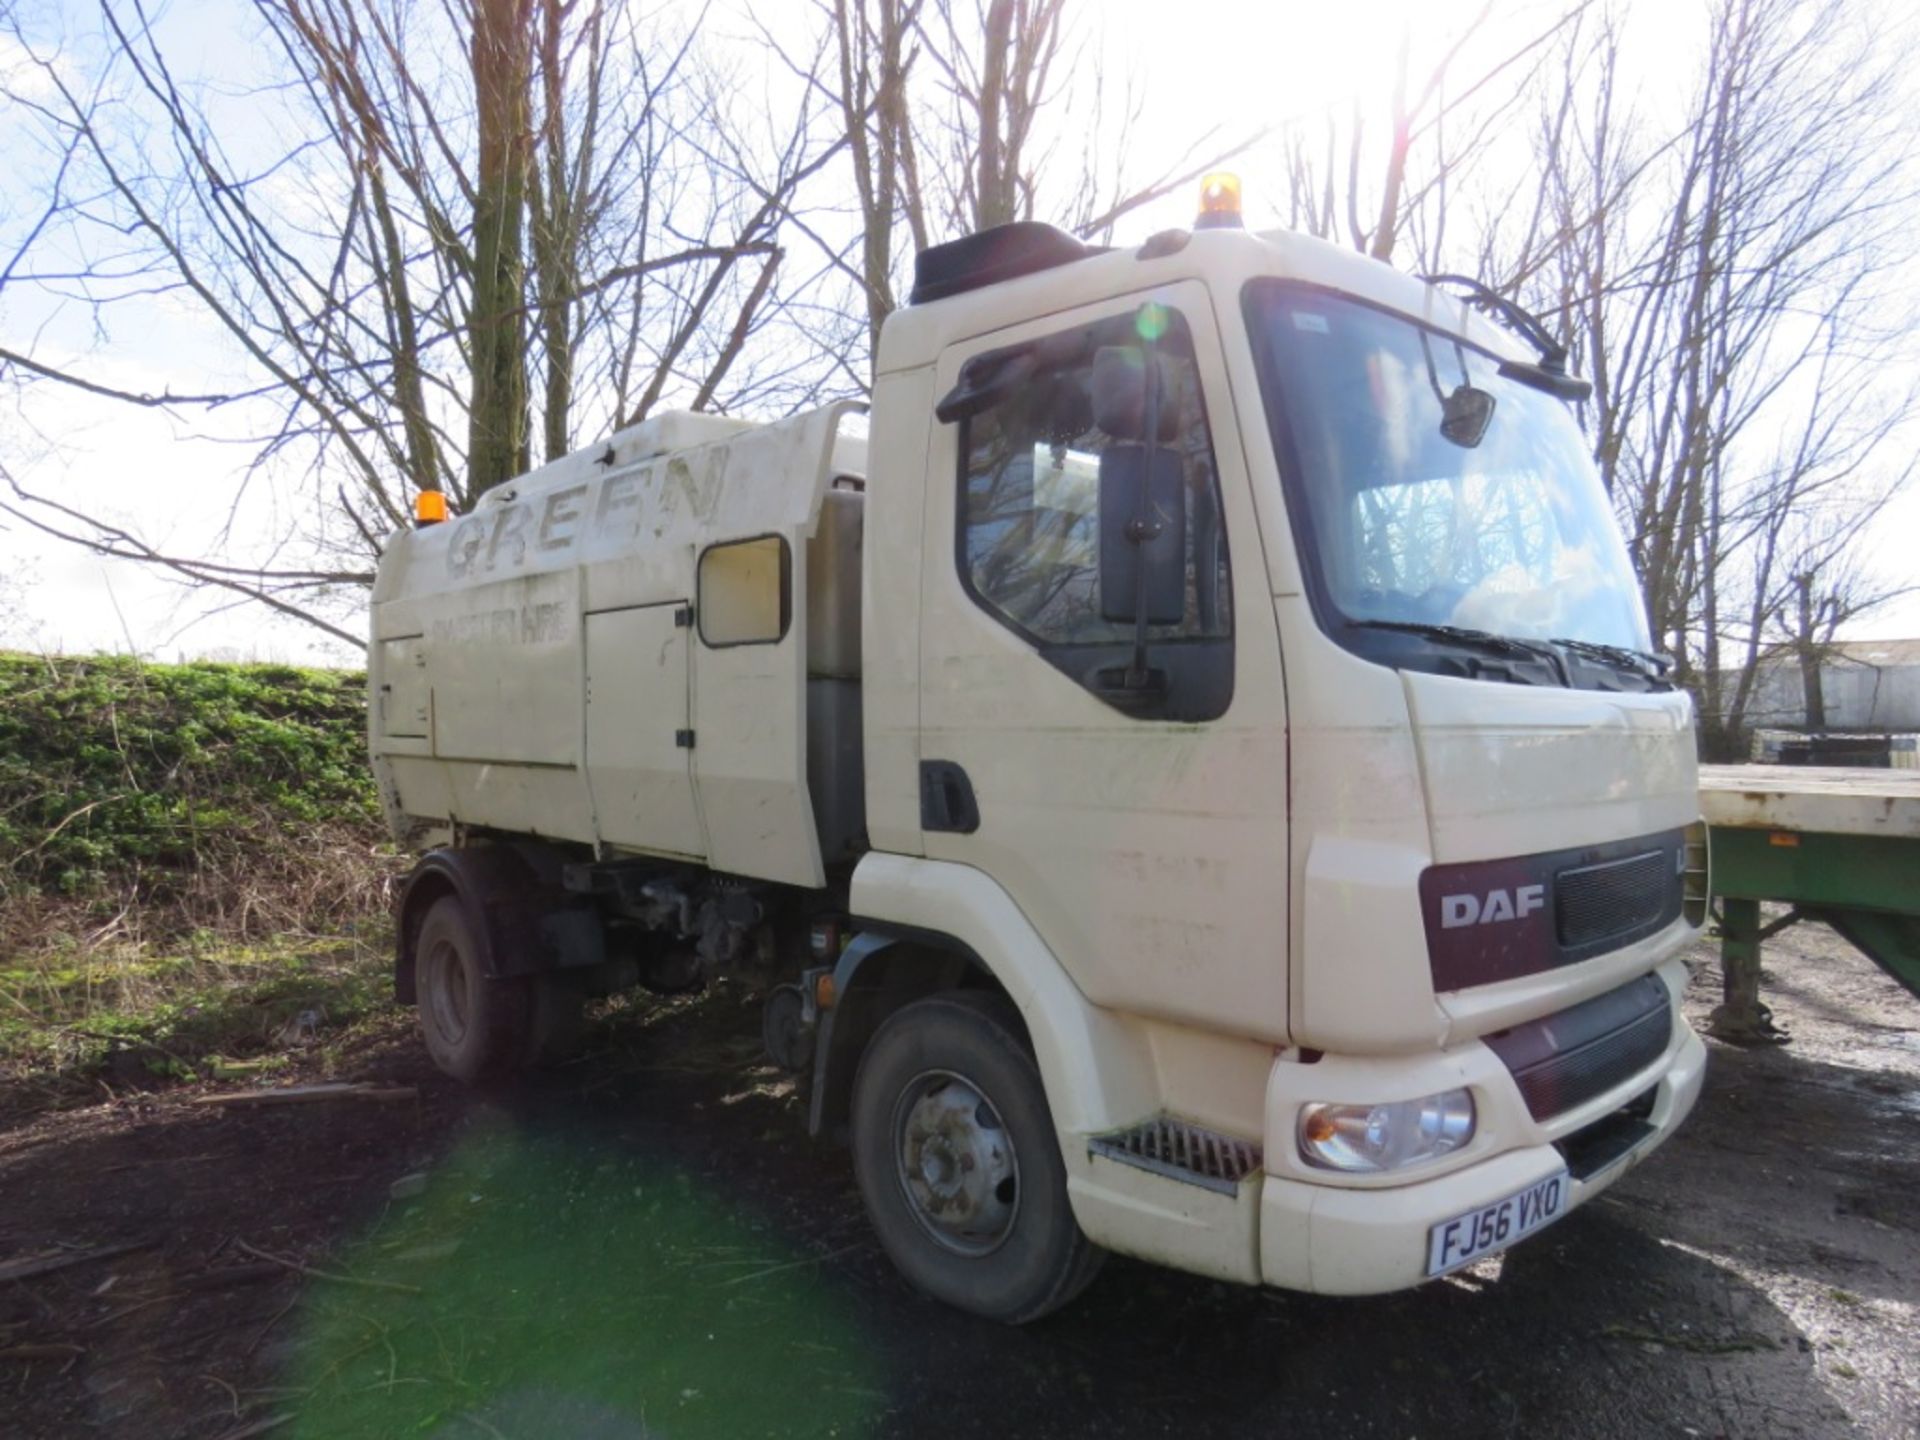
110, 540
1167, 183
132, 397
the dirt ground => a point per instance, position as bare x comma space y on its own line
645, 1243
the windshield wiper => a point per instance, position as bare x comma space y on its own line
1641, 662
1461, 635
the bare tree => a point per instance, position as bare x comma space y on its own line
946, 106
997, 60
1821, 584
1723, 265
502, 61
1730, 287
382, 251
1380, 183
478, 232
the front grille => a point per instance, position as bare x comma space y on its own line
1601, 902
1494, 920
1564, 1060
1181, 1150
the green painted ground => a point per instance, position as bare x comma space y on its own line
570, 1287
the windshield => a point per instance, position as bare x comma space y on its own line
1496, 523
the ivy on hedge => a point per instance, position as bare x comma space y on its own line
112, 767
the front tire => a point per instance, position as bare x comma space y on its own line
476, 1028
955, 1153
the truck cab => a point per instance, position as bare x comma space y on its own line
1194, 777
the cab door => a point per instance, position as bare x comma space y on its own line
1136, 814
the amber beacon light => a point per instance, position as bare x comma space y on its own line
1219, 202
429, 507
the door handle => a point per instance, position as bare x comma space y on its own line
946, 798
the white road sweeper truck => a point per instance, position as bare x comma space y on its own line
1187, 773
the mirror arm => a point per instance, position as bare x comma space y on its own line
1142, 695
985, 381
1142, 529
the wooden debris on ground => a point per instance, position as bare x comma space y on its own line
254, 1427
307, 1094
41, 1263
42, 1352
333, 1277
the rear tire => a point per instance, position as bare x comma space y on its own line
955, 1152
476, 1028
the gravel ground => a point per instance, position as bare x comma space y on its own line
645, 1244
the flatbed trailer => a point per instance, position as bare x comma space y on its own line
1837, 845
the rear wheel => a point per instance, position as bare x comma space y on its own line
957, 1160
475, 1027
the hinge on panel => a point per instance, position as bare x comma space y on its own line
683, 738
683, 617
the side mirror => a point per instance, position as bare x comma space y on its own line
1465, 415
1143, 527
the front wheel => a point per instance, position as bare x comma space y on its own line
955, 1152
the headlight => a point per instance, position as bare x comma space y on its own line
1367, 1139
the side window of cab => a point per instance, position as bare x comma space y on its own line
1089, 511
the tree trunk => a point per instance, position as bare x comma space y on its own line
1808, 649
1386, 226
993, 191
1810, 684
496, 317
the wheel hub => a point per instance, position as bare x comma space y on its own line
447, 991
956, 1163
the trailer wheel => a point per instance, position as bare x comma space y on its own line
955, 1153
475, 1027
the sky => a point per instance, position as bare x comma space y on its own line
171, 475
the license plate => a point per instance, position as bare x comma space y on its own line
1466, 1238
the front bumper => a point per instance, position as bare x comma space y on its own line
1303, 1229
1369, 1238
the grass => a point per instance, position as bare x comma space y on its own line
205, 1008
191, 859
158, 784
